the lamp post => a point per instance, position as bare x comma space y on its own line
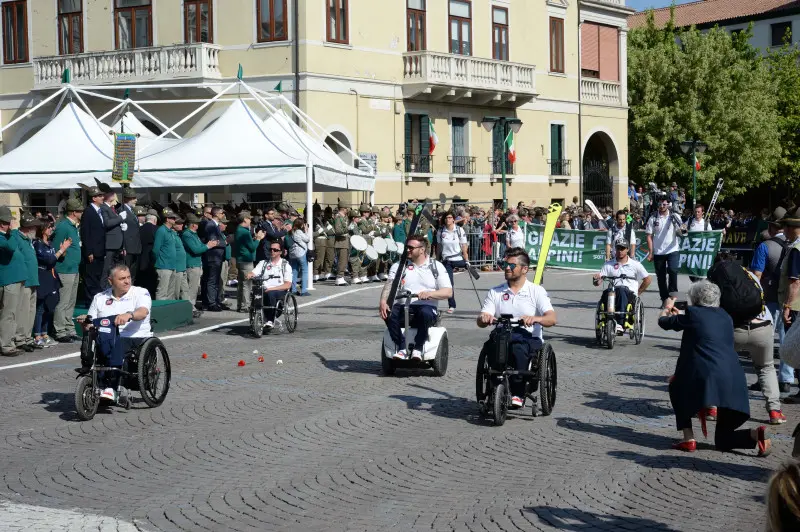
489, 123
696, 147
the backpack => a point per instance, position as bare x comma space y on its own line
773, 278
742, 297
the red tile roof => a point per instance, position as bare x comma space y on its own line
711, 11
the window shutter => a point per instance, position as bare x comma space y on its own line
408, 134
590, 46
555, 142
609, 53
424, 135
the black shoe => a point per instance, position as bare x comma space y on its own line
784, 387
37, 346
27, 348
223, 306
197, 313
12, 353
66, 339
755, 387
214, 308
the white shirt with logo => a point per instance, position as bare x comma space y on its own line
105, 304
418, 279
696, 225
531, 300
633, 270
273, 274
665, 234
615, 233
515, 238
450, 243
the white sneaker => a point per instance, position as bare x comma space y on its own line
375, 279
383, 277
400, 355
355, 280
316, 278
416, 355
340, 281
269, 325
620, 330
451, 310
329, 276
109, 394
516, 402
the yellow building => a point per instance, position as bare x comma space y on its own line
382, 76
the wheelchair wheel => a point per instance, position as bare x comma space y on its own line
86, 400
154, 372
387, 364
610, 332
257, 322
290, 312
482, 389
500, 408
548, 379
439, 364
598, 330
638, 326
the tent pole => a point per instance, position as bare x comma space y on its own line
26, 114
190, 115
149, 115
102, 126
113, 110
309, 216
58, 106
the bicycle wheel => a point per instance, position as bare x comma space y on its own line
598, 323
257, 322
611, 332
500, 404
548, 379
154, 372
86, 398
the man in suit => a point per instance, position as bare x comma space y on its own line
93, 245
130, 236
147, 236
212, 262
114, 225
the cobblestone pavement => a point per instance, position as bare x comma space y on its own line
324, 442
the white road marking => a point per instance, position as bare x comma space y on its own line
26, 517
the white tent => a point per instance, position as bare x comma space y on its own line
128, 123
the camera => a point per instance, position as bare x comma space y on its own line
681, 305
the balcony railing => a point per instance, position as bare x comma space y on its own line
497, 166
416, 163
595, 90
462, 164
159, 63
559, 166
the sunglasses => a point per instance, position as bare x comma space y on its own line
621, 247
510, 265
275, 250
415, 247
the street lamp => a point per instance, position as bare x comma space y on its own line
515, 124
696, 147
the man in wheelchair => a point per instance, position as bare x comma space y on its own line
524, 301
129, 307
625, 289
425, 277
276, 275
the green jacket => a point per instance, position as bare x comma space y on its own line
12, 262
71, 260
180, 254
245, 245
194, 249
164, 248
25, 245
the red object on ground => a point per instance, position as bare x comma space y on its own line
261, 359
205, 355
241, 363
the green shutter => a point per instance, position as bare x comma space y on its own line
407, 151
555, 142
424, 135
497, 149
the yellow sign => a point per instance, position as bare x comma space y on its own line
549, 230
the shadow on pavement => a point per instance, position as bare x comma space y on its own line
624, 434
642, 377
698, 464
447, 406
635, 406
574, 519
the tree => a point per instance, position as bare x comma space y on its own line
784, 65
711, 86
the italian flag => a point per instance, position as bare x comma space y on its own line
433, 139
697, 164
512, 149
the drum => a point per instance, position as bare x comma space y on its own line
400, 247
358, 246
391, 247
370, 256
380, 246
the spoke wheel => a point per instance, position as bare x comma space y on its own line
257, 322
86, 400
598, 329
611, 332
638, 333
500, 404
154, 372
290, 313
548, 379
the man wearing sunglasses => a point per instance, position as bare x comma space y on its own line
664, 229
276, 273
624, 290
524, 301
425, 277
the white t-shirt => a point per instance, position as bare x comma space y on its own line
515, 238
105, 304
665, 235
531, 300
420, 279
615, 233
273, 274
450, 243
633, 269
699, 225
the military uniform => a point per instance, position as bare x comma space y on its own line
327, 265
12, 275
180, 283
67, 269
369, 230
320, 243
357, 271
194, 263
164, 247
341, 243
26, 306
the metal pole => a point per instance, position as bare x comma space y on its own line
694, 175
502, 124
308, 282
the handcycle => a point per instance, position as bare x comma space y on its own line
146, 369
605, 320
435, 352
494, 370
285, 309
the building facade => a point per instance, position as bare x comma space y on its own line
404, 83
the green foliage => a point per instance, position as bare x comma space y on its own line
711, 86
784, 65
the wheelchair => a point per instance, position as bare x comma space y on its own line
494, 369
145, 369
435, 352
605, 321
285, 309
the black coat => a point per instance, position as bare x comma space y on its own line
93, 234
49, 282
111, 222
708, 372
131, 237
213, 232
147, 235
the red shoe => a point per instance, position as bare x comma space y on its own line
689, 446
703, 415
764, 443
776, 417
711, 413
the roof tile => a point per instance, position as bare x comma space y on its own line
710, 11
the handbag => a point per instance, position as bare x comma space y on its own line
311, 255
790, 348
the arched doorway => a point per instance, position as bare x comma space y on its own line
600, 165
337, 148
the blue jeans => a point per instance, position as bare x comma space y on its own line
522, 348
623, 297
41, 323
421, 317
299, 270
667, 265
449, 265
785, 372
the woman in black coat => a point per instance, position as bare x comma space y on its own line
49, 284
708, 373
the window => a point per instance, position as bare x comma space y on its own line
558, 164
599, 52
416, 25
500, 33
15, 32
70, 27
134, 23
781, 30
272, 25
556, 45
417, 156
499, 137
460, 162
198, 25
337, 21
460, 27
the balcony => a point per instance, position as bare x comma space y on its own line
559, 166
604, 92
462, 164
497, 166
439, 77
196, 61
419, 164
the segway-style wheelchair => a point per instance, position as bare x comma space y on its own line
434, 353
285, 309
495, 367
145, 369
605, 320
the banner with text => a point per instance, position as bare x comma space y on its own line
586, 250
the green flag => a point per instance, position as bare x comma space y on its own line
279, 86
66, 77
240, 72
